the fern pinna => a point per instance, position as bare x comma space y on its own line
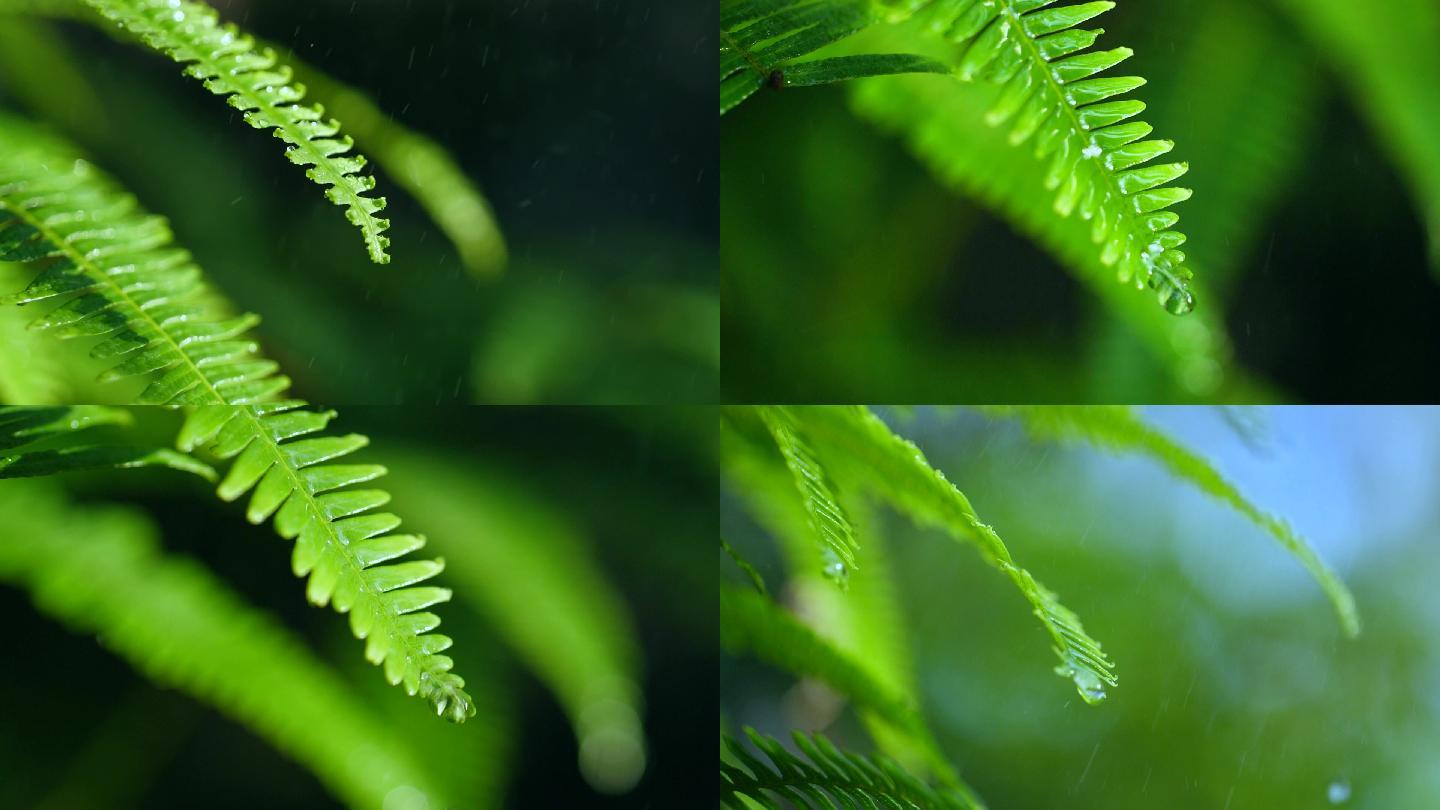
44, 441
122, 281
1096, 153
120, 278
340, 541
253, 80
1053, 97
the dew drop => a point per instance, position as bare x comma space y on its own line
1338, 792
1089, 685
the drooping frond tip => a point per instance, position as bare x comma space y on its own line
896, 469
827, 518
253, 81
1051, 96
340, 540
1095, 152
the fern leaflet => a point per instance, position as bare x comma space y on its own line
1051, 95
254, 81
827, 518
856, 442
761, 39
42, 441
121, 279
1120, 429
824, 778
340, 541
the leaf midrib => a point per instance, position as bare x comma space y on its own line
298, 486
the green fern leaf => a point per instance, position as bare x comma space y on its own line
254, 81
853, 441
1053, 97
340, 541
823, 778
419, 165
1120, 429
43, 441
936, 122
121, 279
413, 161
100, 572
760, 41
827, 518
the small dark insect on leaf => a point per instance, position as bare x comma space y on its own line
777, 79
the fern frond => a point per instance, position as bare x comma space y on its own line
254, 81
419, 165
936, 122
44, 441
823, 778
761, 41
854, 441
827, 518
101, 573
1120, 429
1096, 155
413, 161
340, 541
121, 279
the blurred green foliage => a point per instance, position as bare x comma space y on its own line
1237, 687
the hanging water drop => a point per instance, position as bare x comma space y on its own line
1338, 792
1089, 685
